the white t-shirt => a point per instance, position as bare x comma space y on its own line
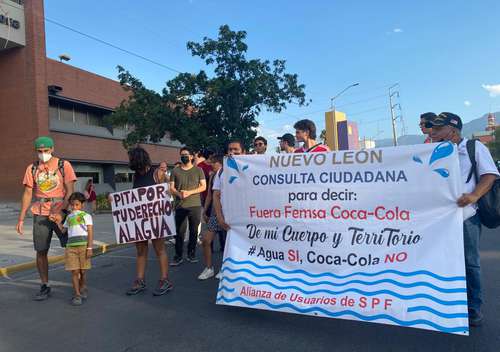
485, 166
76, 223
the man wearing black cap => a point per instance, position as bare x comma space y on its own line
447, 127
287, 143
424, 118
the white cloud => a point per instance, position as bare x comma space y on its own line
467, 103
493, 89
397, 30
287, 128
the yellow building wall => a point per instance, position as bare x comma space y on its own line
331, 120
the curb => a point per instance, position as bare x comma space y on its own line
100, 250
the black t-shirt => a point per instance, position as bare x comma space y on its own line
144, 180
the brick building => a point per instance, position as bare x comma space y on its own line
40, 96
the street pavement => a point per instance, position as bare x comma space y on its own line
187, 318
15, 249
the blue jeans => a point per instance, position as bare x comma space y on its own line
472, 234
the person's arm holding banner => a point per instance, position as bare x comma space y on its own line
484, 185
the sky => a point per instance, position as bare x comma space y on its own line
445, 55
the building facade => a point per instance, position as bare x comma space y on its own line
341, 134
41, 96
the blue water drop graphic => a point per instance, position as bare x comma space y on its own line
443, 150
417, 159
232, 179
244, 168
232, 164
443, 172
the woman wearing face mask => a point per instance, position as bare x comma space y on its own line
186, 184
51, 181
144, 176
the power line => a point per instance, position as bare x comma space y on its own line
112, 45
369, 110
363, 100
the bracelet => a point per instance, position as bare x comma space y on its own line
90, 248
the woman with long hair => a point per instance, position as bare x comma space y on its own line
145, 175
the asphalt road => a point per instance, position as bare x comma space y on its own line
187, 319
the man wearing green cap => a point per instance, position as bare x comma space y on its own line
52, 181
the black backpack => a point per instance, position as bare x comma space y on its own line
488, 206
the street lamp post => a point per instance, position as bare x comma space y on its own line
332, 100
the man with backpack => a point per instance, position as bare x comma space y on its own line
51, 181
479, 174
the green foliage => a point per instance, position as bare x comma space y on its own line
102, 202
203, 111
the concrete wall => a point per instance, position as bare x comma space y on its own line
23, 101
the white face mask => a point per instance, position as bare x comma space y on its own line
44, 157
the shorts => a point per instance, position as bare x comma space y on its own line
43, 229
75, 258
213, 225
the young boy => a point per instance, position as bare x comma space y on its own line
78, 225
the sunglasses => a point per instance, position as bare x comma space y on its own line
258, 144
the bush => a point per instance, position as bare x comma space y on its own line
103, 202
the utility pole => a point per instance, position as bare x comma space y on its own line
392, 95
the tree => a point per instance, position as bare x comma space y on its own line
494, 146
203, 111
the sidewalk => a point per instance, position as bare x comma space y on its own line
17, 253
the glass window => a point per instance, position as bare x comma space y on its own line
53, 112
123, 177
66, 114
81, 117
93, 175
95, 119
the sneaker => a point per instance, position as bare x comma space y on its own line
84, 293
77, 301
207, 273
163, 287
192, 259
177, 261
43, 294
475, 317
219, 275
139, 286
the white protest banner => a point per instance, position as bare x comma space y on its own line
142, 214
371, 235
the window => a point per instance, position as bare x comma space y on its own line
93, 175
81, 117
66, 114
95, 119
124, 177
53, 112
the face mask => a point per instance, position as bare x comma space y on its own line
185, 159
44, 157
